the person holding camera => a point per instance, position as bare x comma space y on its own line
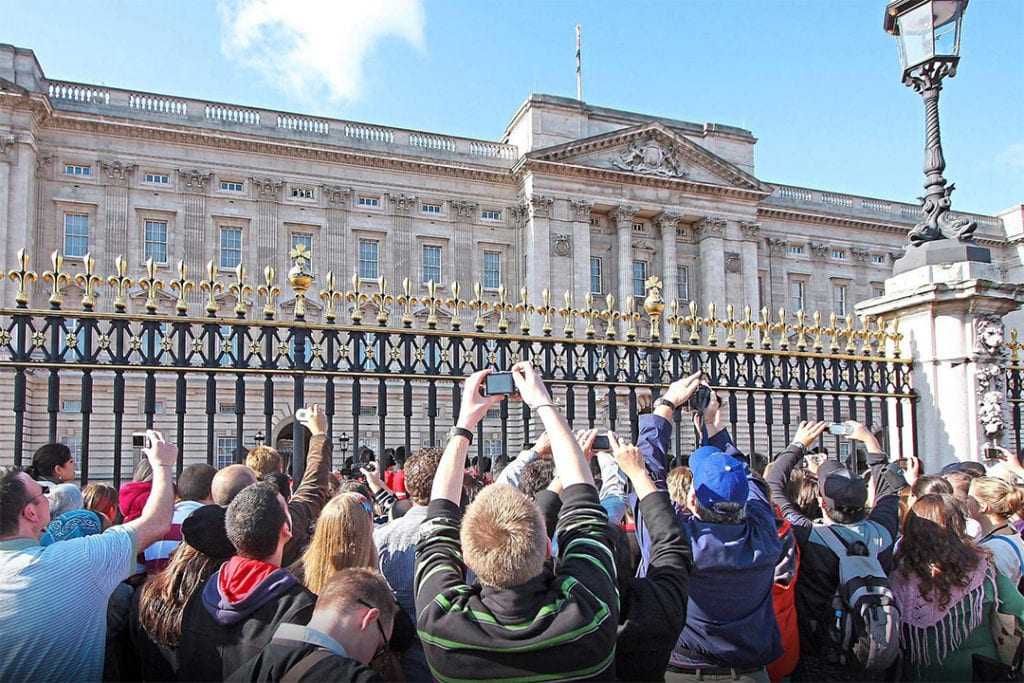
729, 527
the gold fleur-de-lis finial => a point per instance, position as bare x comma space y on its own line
675, 321
88, 281
589, 314
610, 316
382, 300
183, 286
357, 299
694, 322
57, 279
478, 306
654, 305
431, 301
730, 325
239, 289
330, 296
896, 337
269, 291
455, 303
850, 334
524, 309
765, 327
816, 330
211, 286
152, 285
782, 328
546, 311
748, 326
631, 316
121, 283
406, 301
502, 307
1014, 344
833, 331
24, 277
568, 314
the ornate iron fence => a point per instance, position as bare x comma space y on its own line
247, 372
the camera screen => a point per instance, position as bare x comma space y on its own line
499, 383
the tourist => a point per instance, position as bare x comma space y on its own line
546, 623
193, 492
731, 533
264, 460
310, 494
998, 503
52, 463
131, 499
343, 538
71, 524
351, 626
157, 613
678, 484
842, 497
948, 593
101, 499
64, 498
229, 482
396, 546
65, 640
243, 602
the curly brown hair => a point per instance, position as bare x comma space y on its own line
419, 474
935, 537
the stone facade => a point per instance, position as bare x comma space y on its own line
574, 198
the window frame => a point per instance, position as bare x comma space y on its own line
64, 233
220, 245
431, 205
683, 282
597, 260
423, 263
146, 241
148, 179
219, 450
85, 168
844, 289
302, 190
376, 259
802, 288
645, 267
376, 203
494, 215
484, 270
232, 190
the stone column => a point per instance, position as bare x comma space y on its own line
623, 219
267, 226
775, 287
334, 246
751, 267
115, 214
463, 217
193, 186
579, 213
950, 319
710, 231
8, 156
18, 188
861, 281
818, 296
538, 247
668, 223
403, 260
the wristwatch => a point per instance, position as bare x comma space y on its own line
460, 431
667, 403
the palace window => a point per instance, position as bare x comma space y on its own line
76, 234
595, 221
492, 269
839, 299
795, 249
77, 169
490, 215
596, 283
430, 208
796, 294
225, 454
839, 254
369, 263
638, 227
158, 179
71, 406
303, 192
639, 278
232, 186
877, 291
430, 262
683, 283
373, 202
878, 259
156, 241
306, 240
230, 247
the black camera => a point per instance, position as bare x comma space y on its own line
700, 399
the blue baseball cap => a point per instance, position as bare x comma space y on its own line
718, 478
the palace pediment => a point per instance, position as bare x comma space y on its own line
651, 150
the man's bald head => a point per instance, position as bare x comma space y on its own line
229, 481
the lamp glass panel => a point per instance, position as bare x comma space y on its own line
915, 37
946, 16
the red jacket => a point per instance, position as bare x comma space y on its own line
132, 498
784, 602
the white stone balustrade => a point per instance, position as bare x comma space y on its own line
160, 105
438, 142
304, 124
78, 93
219, 112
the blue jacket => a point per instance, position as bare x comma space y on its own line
730, 620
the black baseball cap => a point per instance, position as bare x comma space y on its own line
840, 487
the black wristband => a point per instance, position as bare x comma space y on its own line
460, 431
665, 402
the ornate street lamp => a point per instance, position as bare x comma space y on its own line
928, 37
343, 442
259, 438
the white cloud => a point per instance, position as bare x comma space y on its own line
1012, 156
307, 46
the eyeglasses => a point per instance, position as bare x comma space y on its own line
385, 640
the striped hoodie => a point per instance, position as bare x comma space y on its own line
559, 625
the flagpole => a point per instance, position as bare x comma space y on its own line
579, 63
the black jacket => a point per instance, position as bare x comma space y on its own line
281, 656
218, 637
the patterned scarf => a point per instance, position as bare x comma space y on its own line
924, 621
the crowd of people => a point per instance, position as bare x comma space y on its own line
572, 561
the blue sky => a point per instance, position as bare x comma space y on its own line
817, 82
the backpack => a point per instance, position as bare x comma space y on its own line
865, 626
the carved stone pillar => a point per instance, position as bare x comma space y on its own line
193, 186
950, 319
335, 257
710, 231
403, 260
463, 216
8, 157
115, 177
775, 288
268, 194
819, 290
668, 224
579, 213
538, 247
623, 219
751, 267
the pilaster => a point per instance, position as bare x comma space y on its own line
115, 177
268, 195
403, 261
463, 217
193, 186
538, 247
622, 217
775, 289
710, 233
579, 214
337, 201
748, 253
668, 225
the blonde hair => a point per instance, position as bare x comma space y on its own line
679, 480
343, 539
264, 460
504, 540
997, 496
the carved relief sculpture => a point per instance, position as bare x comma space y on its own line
710, 226
732, 262
818, 250
652, 158
580, 210
561, 244
991, 361
540, 206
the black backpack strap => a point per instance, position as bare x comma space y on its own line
305, 665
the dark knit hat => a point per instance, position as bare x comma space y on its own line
204, 530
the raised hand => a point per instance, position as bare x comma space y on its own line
809, 432
530, 385
680, 391
160, 452
585, 438
474, 404
314, 419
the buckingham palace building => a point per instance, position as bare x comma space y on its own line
573, 197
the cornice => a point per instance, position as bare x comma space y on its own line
594, 173
243, 143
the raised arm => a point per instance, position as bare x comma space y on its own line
155, 520
513, 473
778, 476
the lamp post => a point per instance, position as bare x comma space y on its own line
259, 438
928, 38
343, 442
